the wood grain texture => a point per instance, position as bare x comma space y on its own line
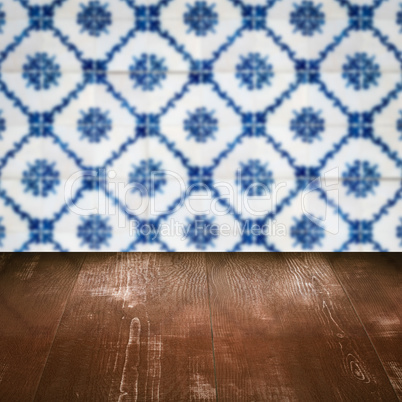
137, 328
33, 293
374, 286
285, 330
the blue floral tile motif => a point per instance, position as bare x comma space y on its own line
41, 178
361, 71
147, 18
201, 72
2, 232
40, 124
306, 175
148, 72
41, 71
2, 18
306, 233
308, 71
360, 125
94, 18
201, 232
94, 179
253, 234
94, 71
254, 124
201, 18
254, 178
147, 125
94, 232
200, 177
201, 125
399, 231
244, 100
254, 17
307, 125
2, 125
147, 178
399, 17
41, 17
148, 233
361, 17
307, 18
361, 232
399, 125
41, 231
254, 71
361, 178
94, 125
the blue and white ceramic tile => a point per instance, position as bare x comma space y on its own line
217, 125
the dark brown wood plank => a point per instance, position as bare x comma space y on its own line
137, 328
285, 330
34, 288
374, 286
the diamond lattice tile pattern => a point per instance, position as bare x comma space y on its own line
223, 125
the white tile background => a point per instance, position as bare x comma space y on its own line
309, 178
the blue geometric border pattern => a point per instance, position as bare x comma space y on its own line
230, 125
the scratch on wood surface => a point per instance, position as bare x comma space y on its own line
4, 257
388, 325
129, 378
352, 364
3, 369
396, 376
307, 283
325, 307
397, 367
154, 355
28, 271
200, 388
131, 287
